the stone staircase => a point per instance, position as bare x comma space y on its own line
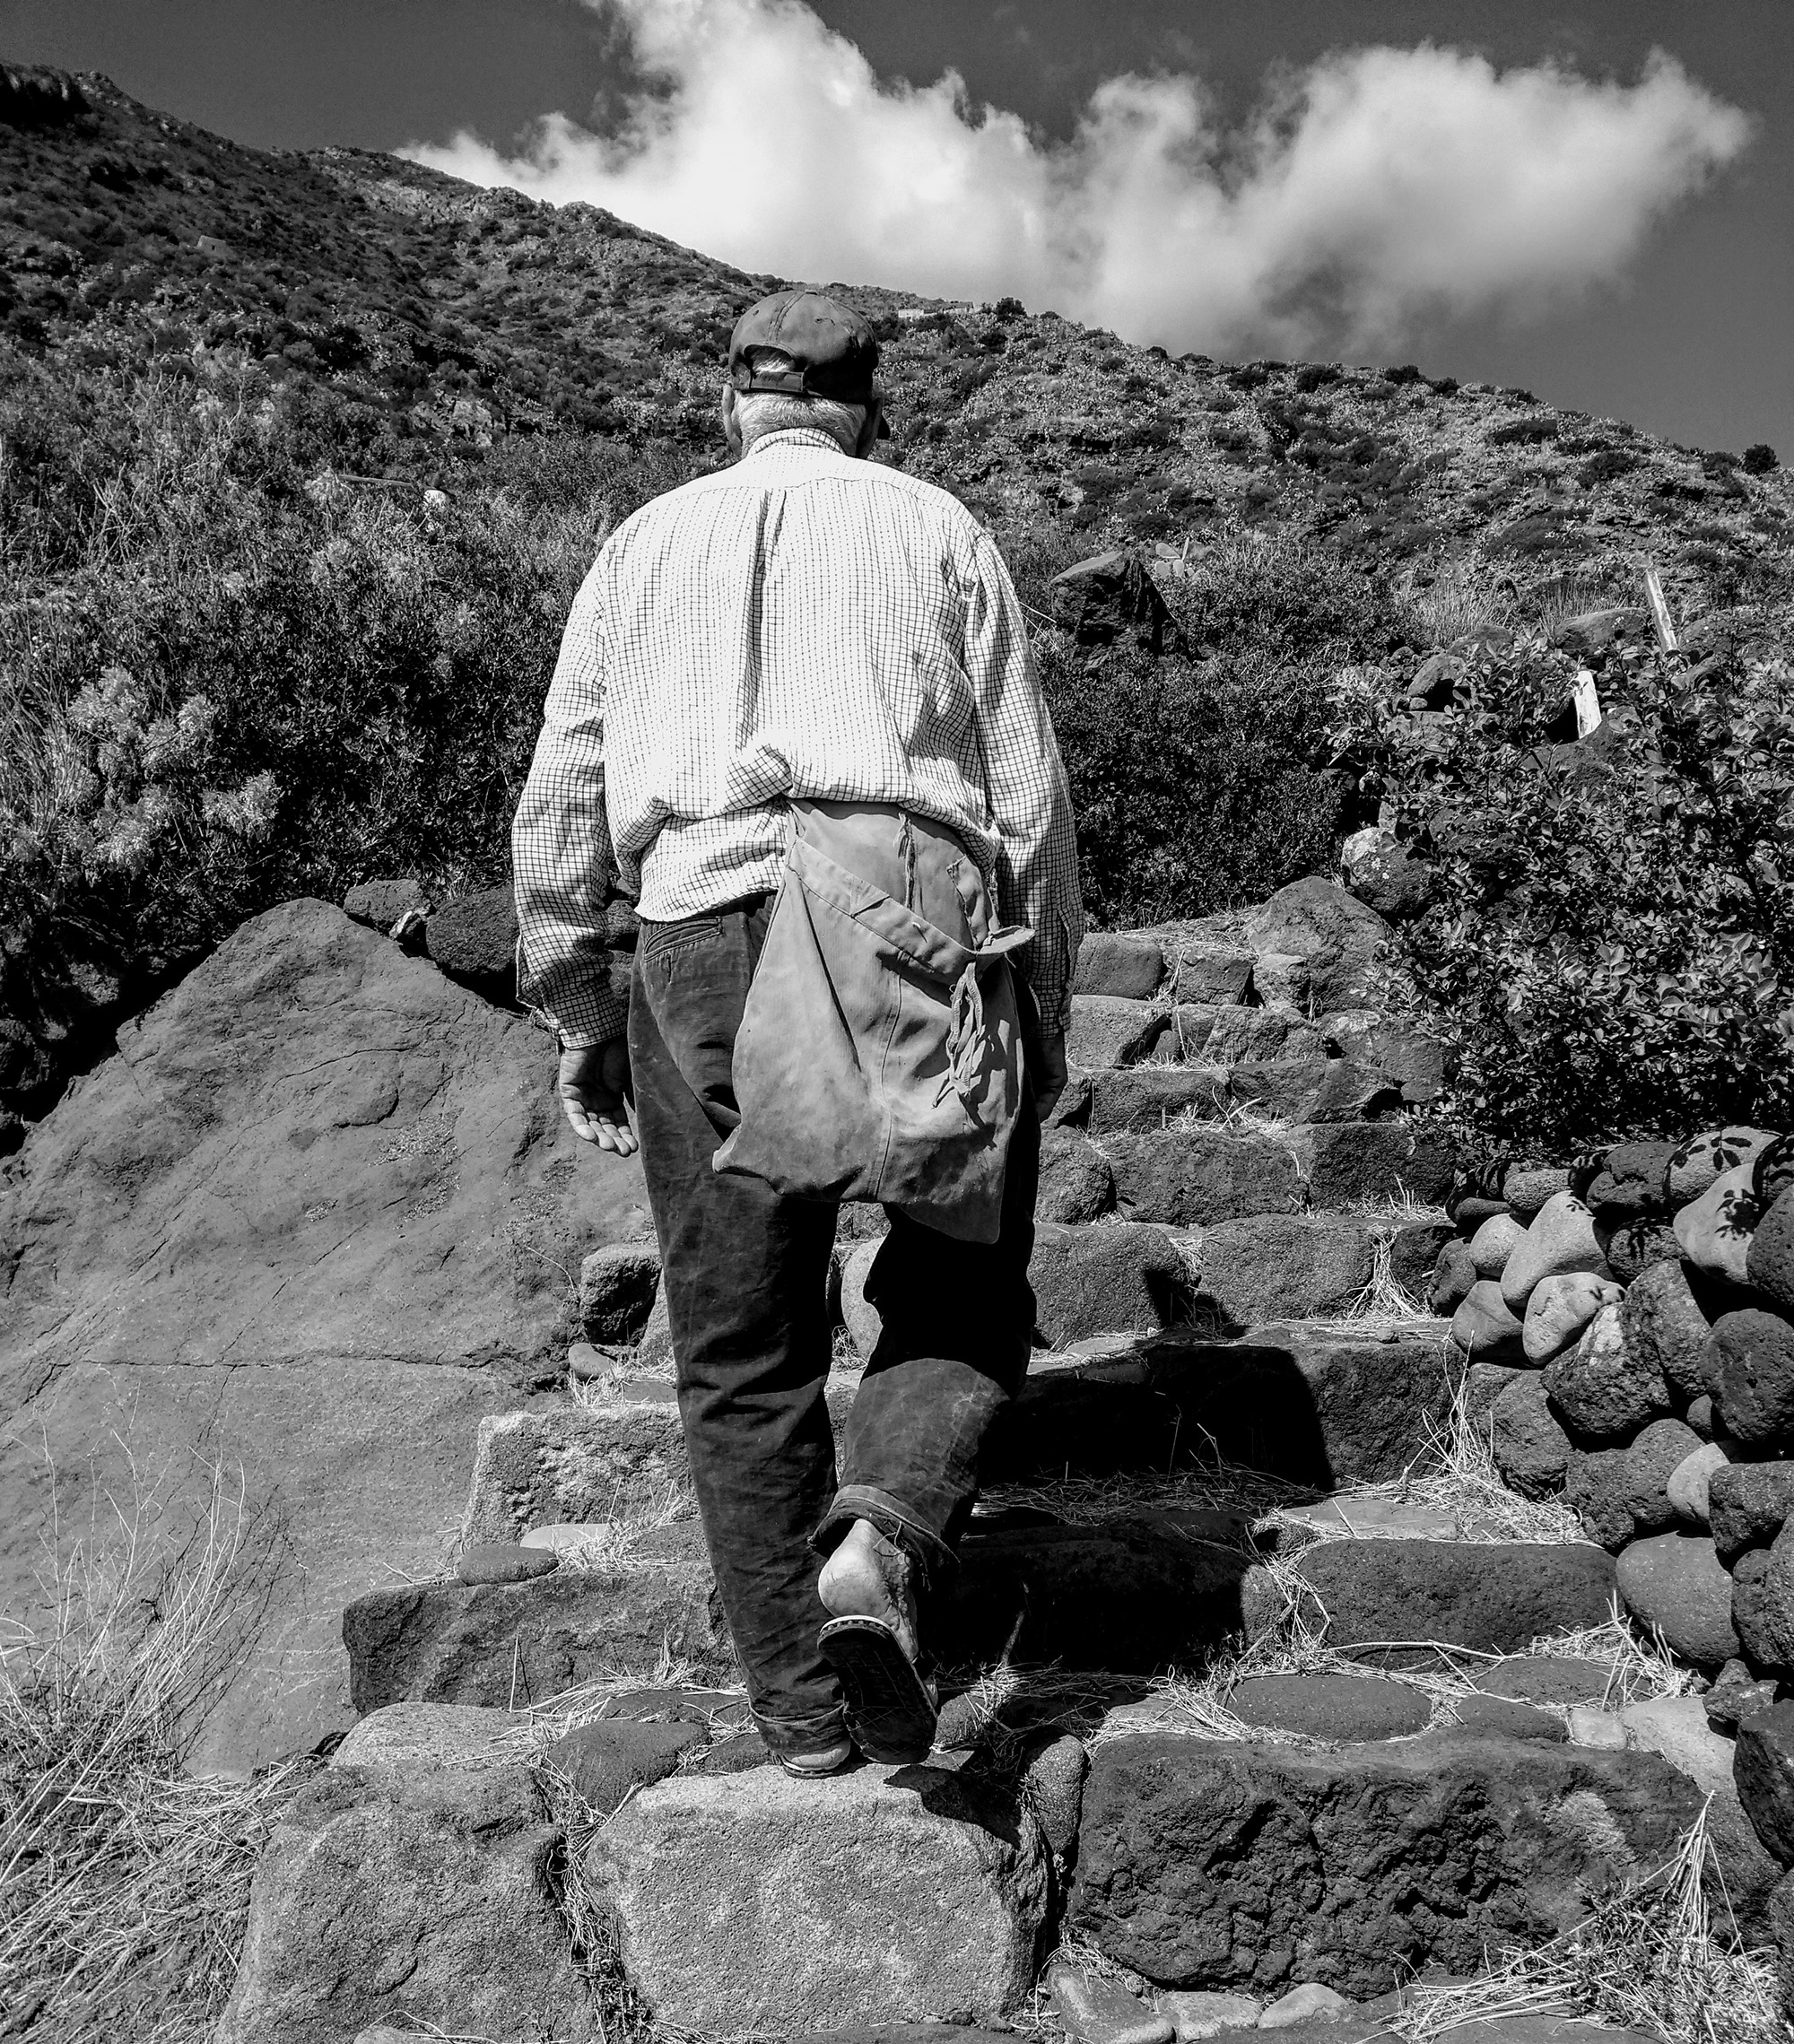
1241, 1695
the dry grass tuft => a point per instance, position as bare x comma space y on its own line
124, 1882
1649, 1960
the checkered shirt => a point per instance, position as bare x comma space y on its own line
800, 624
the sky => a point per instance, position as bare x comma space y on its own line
1593, 201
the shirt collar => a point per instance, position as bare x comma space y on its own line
794, 437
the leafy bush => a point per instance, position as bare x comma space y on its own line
1613, 951
1200, 780
233, 680
1759, 458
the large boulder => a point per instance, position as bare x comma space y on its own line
1077, 1183
474, 939
1106, 1031
1561, 1239
728, 1895
1207, 1863
1632, 1177
1337, 937
1345, 1161
1762, 1603
413, 1883
1128, 1595
314, 1220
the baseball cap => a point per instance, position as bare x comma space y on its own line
833, 350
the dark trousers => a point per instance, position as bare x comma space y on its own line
746, 1278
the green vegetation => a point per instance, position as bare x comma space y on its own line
1611, 952
302, 457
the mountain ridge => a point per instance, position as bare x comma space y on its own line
437, 317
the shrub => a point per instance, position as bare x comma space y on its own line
236, 681
1613, 951
1521, 432
1759, 459
1199, 781
1607, 465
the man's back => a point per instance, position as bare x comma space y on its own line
807, 626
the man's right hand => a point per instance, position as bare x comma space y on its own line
593, 1084
1045, 1054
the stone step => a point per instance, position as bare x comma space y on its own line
1140, 1591
1318, 1407
1218, 1864
410, 1882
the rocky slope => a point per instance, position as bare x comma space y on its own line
429, 316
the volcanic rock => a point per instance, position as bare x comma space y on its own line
1652, 1460
1561, 1239
312, 1221
1106, 1280
1334, 1707
1750, 1366
1603, 1387
1213, 1863
1559, 1309
1192, 1177
1595, 1489
410, 1882
1119, 963
1385, 1599
1769, 1262
1077, 1183
1677, 1582
1764, 1769
949, 1880
1664, 1325
1747, 1504
1715, 1229
1531, 1449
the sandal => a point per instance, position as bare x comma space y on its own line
813, 1766
889, 1710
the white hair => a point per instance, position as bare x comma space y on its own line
762, 412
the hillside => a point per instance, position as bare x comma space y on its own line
305, 454
432, 317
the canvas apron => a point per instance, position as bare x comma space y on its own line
880, 1054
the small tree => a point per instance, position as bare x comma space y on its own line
1612, 952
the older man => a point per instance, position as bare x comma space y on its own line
809, 671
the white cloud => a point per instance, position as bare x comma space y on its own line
1378, 189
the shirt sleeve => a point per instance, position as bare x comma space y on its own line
1037, 878
558, 839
